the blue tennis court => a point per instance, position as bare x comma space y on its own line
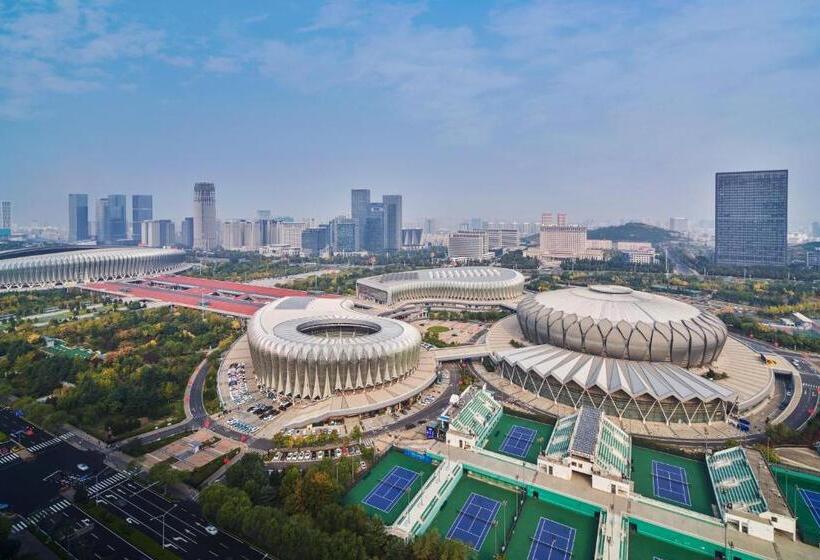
670, 483
518, 441
812, 500
390, 489
473, 523
552, 541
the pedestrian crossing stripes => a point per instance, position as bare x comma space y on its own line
38, 516
107, 483
49, 443
9, 458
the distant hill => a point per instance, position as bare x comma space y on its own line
633, 231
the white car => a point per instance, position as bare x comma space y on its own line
211, 530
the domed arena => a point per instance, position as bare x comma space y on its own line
314, 347
632, 354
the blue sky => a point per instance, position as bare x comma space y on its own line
500, 109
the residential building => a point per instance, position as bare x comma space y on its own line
546, 219
142, 209
561, 219
238, 235
751, 218
5, 214
78, 217
205, 228
469, 246
157, 233
288, 234
187, 233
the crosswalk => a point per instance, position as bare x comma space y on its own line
49, 443
9, 458
38, 516
106, 483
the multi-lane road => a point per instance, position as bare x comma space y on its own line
34, 485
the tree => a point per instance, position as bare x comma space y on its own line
166, 475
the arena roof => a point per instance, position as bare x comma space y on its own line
660, 380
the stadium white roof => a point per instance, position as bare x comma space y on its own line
657, 379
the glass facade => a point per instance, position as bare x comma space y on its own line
751, 218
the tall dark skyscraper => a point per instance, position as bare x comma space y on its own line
373, 236
111, 222
77, 217
359, 211
392, 222
751, 218
142, 210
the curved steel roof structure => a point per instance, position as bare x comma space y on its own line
468, 283
313, 347
618, 322
53, 269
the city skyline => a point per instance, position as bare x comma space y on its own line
314, 100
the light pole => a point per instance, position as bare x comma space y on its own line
162, 517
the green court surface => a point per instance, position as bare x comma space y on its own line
647, 547
506, 422
69, 351
504, 518
653, 542
371, 479
586, 529
791, 482
700, 486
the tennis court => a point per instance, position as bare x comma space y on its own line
548, 531
398, 482
518, 437
474, 521
802, 493
470, 514
677, 480
378, 490
646, 544
669, 483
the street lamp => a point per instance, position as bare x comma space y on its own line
162, 517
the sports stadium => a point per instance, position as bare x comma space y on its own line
312, 347
51, 267
631, 354
483, 284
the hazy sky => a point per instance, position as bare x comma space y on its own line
599, 109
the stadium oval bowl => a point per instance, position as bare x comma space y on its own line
41, 268
311, 347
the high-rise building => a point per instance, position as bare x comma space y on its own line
563, 242
288, 233
111, 221
78, 217
476, 224
815, 229
373, 237
157, 233
205, 230
5, 215
561, 219
142, 209
429, 225
751, 218
391, 204
343, 234
503, 238
263, 214
359, 211
469, 246
315, 240
546, 219
240, 235
186, 233
680, 225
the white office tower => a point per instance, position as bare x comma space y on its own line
205, 230
469, 246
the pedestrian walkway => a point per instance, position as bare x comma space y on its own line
38, 516
49, 443
107, 483
9, 458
